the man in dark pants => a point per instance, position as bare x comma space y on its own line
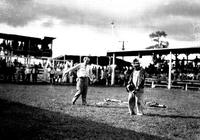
83, 74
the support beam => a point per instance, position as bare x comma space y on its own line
113, 71
97, 74
187, 56
80, 58
170, 71
53, 63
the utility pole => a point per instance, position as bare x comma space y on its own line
112, 25
113, 65
123, 47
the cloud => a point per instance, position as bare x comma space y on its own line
21, 13
48, 23
17, 13
175, 17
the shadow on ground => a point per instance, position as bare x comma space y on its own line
19, 121
173, 116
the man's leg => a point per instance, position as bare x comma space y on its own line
136, 105
84, 93
140, 105
131, 103
79, 88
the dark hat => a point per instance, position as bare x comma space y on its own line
136, 61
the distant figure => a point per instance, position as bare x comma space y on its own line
34, 73
196, 60
59, 75
135, 89
52, 75
182, 65
83, 74
27, 74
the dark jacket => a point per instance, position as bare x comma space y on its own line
141, 81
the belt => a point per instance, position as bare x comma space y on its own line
83, 77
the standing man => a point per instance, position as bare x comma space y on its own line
83, 74
135, 89
34, 73
52, 75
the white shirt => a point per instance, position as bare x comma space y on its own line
83, 71
136, 74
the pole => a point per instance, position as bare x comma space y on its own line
170, 71
80, 58
113, 71
123, 47
113, 38
97, 74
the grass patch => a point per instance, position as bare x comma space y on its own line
45, 112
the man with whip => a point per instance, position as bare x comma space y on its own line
83, 75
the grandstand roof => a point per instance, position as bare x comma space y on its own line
164, 51
23, 38
102, 60
18, 37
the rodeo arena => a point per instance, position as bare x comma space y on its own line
29, 60
38, 98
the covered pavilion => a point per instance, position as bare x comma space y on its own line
150, 52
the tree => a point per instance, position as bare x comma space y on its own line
155, 36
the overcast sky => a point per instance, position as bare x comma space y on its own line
84, 26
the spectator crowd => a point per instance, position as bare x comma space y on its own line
52, 72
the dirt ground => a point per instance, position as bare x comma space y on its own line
45, 112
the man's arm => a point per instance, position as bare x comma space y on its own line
130, 87
130, 78
142, 79
71, 69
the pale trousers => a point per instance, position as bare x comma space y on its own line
135, 102
81, 87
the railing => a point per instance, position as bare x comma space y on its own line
184, 84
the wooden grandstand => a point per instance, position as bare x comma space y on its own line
169, 83
16, 47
